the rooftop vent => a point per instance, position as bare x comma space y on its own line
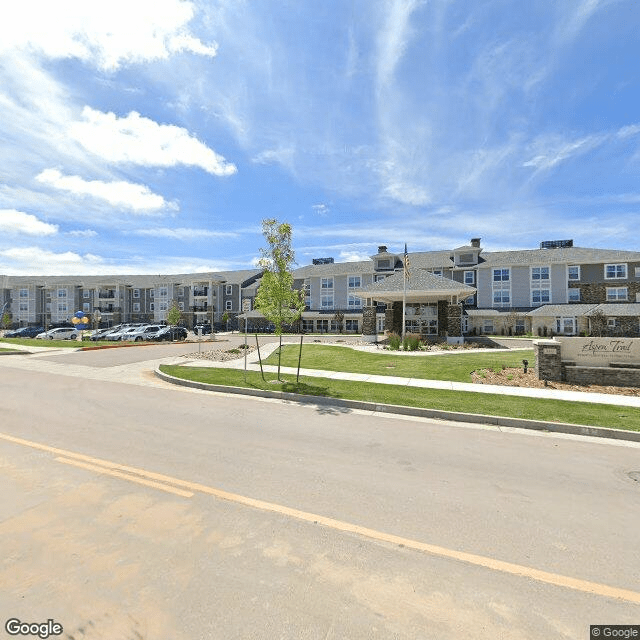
323, 261
556, 244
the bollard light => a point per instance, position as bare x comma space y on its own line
526, 364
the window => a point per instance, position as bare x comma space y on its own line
354, 302
539, 296
62, 307
163, 306
163, 292
437, 272
136, 293
573, 273
501, 297
354, 282
326, 283
378, 278
540, 273
152, 293
228, 289
228, 305
613, 323
470, 300
615, 294
637, 272
469, 277
86, 307
181, 292
152, 306
24, 293
307, 326
487, 326
566, 326
24, 306
136, 307
615, 271
62, 293
501, 275
326, 301
380, 325
384, 264
465, 258
86, 294
351, 325
574, 294
322, 326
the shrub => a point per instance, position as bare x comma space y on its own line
394, 341
411, 342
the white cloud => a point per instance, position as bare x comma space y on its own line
182, 233
629, 131
353, 256
136, 197
106, 34
83, 233
139, 140
320, 209
37, 261
552, 151
18, 222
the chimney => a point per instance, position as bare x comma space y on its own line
475, 242
382, 249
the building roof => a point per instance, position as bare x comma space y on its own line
334, 269
617, 309
549, 310
563, 255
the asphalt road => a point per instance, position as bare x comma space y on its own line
132, 511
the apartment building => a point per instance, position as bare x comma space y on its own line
554, 289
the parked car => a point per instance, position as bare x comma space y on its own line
143, 333
204, 326
61, 333
101, 334
171, 333
120, 334
24, 332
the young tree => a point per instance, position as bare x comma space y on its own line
276, 299
5, 321
174, 314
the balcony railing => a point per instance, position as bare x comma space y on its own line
200, 293
106, 294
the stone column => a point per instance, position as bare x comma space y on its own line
548, 360
443, 317
369, 332
454, 320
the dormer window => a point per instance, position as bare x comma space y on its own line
384, 264
466, 258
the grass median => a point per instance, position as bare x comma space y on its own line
454, 366
582, 413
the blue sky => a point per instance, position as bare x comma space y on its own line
153, 136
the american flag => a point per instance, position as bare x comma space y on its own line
407, 273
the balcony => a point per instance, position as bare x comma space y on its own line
106, 294
199, 308
201, 293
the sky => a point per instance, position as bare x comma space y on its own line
154, 136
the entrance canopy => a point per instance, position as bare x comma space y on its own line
422, 287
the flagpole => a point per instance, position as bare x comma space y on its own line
404, 292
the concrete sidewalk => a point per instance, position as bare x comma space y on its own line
555, 394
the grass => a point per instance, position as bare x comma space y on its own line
582, 413
448, 366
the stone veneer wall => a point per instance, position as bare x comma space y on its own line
443, 317
369, 321
454, 320
596, 292
548, 360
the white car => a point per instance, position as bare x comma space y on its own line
61, 333
139, 334
121, 334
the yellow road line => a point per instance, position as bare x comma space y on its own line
125, 476
531, 573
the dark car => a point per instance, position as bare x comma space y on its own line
205, 327
24, 332
171, 333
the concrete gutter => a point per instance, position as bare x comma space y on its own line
499, 421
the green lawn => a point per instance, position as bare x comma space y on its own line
466, 402
448, 366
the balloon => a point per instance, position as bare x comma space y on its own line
79, 314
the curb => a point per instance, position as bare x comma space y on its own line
14, 353
499, 421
